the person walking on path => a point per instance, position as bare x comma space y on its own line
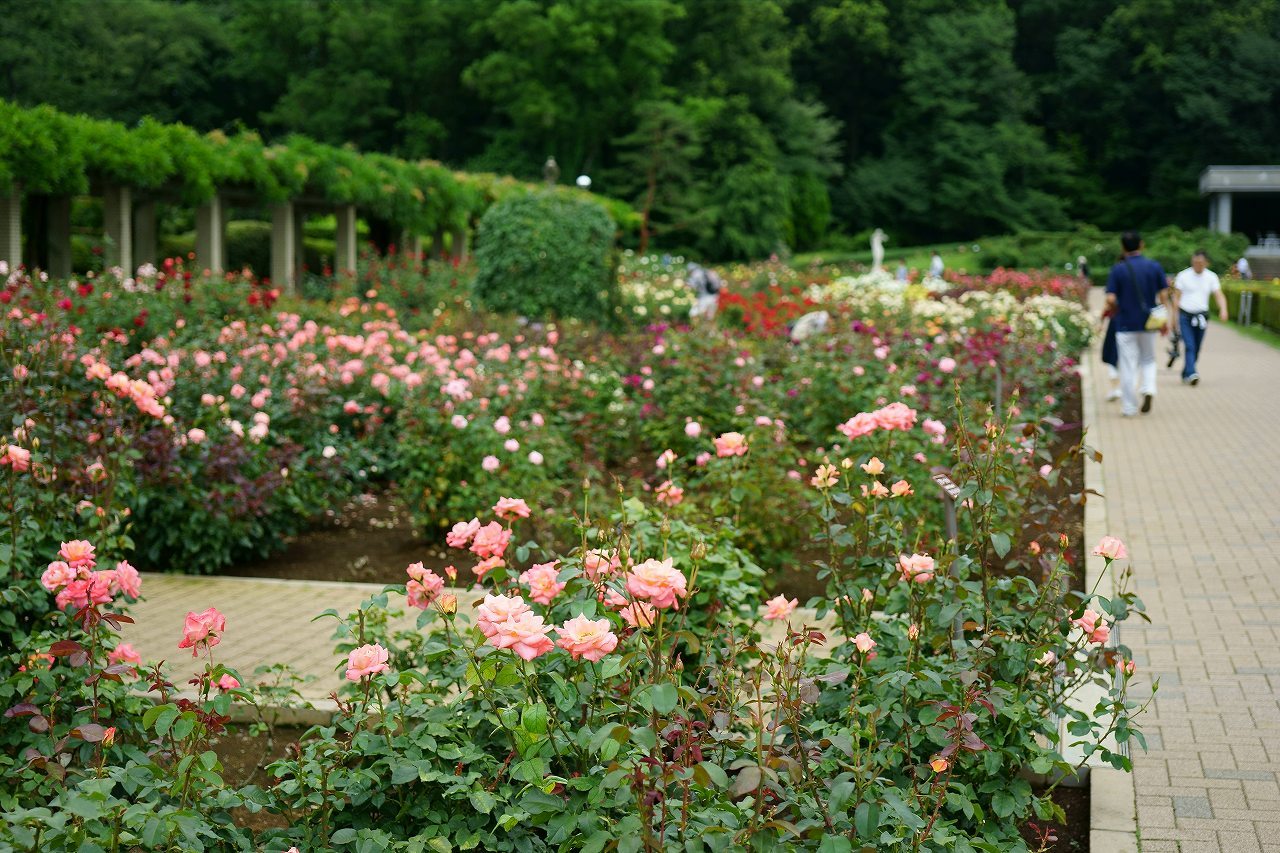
706, 287
936, 266
1111, 353
1192, 287
1138, 293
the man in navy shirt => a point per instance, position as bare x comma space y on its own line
1135, 286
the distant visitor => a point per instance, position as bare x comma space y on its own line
706, 286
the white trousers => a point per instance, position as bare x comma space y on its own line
1137, 352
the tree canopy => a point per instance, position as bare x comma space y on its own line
737, 127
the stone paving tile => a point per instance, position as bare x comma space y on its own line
1194, 490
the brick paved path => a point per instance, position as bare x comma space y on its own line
1194, 490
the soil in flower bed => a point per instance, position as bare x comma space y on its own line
370, 540
243, 756
1072, 836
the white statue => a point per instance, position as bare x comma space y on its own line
813, 323
877, 249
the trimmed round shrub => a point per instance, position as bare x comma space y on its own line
545, 255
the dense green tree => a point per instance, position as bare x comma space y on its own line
740, 127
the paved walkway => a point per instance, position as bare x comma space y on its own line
1194, 490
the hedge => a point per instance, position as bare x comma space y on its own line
1266, 301
48, 151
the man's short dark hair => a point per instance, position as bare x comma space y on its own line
1200, 253
1131, 241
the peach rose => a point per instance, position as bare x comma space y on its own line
202, 629
127, 579
638, 614
898, 416
658, 582
670, 494
58, 575
18, 457
525, 634
423, 586
490, 540
600, 563
874, 466
1111, 548
124, 653
542, 581
731, 444
78, 553
918, 568
584, 638
901, 489
511, 508
498, 608
779, 607
859, 425
864, 642
462, 533
369, 659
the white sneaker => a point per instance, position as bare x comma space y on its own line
1113, 395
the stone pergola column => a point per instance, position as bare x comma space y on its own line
117, 216
344, 255
1220, 213
11, 228
59, 236
211, 234
144, 233
284, 247
411, 244
458, 240
437, 245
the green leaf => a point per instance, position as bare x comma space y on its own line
660, 697
482, 801
1003, 803
534, 719
1000, 541
866, 818
718, 777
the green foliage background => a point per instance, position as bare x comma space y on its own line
736, 127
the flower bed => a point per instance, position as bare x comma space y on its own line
647, 489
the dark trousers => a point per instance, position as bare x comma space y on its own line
1193, 327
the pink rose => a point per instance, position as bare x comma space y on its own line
202, 629
124, 653
599, 563
947, 364
490, 463
731, 444
670, 494
78, 553
525, 634
498, 608
1096, 630
511, 508
535, 457
543, 583
228, 682
1111, 548
584, 638
658, 582
487, 565
638, 614
369, 659
937, 429
917, 568
18, 457
195, 435
897, 416
127, 579
490, 540
864, 642
462, 533
779, 607
859, 425
423, 586
693, 429
58, 575
702, 459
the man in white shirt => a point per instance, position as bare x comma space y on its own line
1192, 288
1242, 267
